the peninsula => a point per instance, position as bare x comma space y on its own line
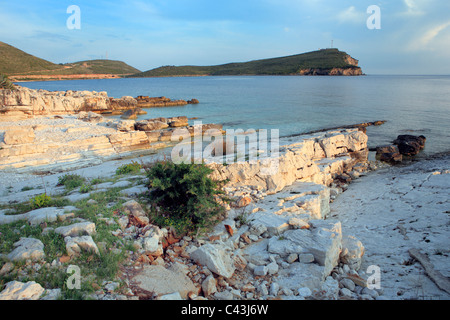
322, 62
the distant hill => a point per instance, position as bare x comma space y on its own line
19, 65
15, 61
321, 62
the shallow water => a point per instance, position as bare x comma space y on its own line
418, 105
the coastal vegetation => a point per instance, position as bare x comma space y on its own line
24, 66
5, 83
325, 60
183, 196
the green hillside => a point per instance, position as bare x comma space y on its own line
325, 59
14, 61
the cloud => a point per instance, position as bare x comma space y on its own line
351, 15
413, 8
430, 38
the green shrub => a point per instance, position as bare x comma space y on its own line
85, 188
133, 167
187, 199
40, 201
71, 181
5, 83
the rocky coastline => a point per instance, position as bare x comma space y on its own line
294, 234
23, 103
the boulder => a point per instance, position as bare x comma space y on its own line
209, 286
126, 125
27, 248
16, 290
134, 209
352, 252
150, 125
74, 245
216, 257
162, 281
410, 145
389, 153
324, 241
77, 229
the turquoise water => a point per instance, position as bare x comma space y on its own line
418, 105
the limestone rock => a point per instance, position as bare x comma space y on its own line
77, 229
324, 241
16, 290
19, 135
162, 281
27, 248
216, 258
209, 286
352, 252
150, 125
74, 245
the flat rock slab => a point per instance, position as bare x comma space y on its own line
36, 217
162, 281
77, 229
27, 248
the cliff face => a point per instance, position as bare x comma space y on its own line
350, 71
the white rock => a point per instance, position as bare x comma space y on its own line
306, 258
349, 284
209, 285
216, 257
304, 292
74, 245
260, 270
171, 296
345, 292
324, 242
274, 288
77, 229
352, 252
272, 268
27, 248
16, 290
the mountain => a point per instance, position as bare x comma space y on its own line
19, 65
321, 62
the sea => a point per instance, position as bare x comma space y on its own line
417, 105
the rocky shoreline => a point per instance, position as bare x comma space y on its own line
295, 241
23, 103
304, 231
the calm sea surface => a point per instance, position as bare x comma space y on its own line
418, 105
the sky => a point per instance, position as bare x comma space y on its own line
414, 37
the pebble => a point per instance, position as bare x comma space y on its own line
304, 292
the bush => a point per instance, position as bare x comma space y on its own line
40, 201
85, 188
133, 167
5, 83
71, 181
187, 199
